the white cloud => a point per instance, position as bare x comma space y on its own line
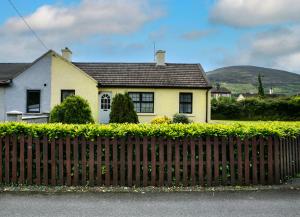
245, 13
60, 25
277, 48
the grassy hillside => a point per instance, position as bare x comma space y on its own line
243, 79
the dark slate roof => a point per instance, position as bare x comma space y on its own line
146, 75
10, 70
220, 90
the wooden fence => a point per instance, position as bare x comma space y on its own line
209, 161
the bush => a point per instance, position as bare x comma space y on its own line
73, 110
122, 110
181, 118
282, 129
281, 108
161, 120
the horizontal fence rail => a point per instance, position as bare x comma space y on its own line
133, 161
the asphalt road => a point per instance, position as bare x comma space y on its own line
235, 204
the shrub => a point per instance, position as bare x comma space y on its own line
280, 108
73, 110
122, 110
181, 118
248, 129
161, 120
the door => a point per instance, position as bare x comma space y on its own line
105, 106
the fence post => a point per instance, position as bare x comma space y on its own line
276, 160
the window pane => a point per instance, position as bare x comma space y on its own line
147, 107
135, 97
66, 93
33, 101
137, 107
185, 97
147, 97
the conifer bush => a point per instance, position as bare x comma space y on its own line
122, 110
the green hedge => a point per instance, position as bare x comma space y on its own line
282, 108
281, 129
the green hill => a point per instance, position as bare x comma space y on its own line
243, 79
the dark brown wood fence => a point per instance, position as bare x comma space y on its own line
209, 161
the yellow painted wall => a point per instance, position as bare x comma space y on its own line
67, 76
166, 102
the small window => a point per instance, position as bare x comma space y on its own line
33, 101
143, 102
186, 103
105, 102
66, 93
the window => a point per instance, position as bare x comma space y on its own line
186, 103
143, 102
65, 93
33, 101
105, 101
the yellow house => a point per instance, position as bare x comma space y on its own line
156, 89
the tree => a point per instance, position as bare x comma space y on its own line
261, 92
73, 110
122, 110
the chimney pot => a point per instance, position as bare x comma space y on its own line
160, 58
67, 54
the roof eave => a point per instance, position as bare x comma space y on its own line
158, 86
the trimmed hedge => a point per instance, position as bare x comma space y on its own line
279, 109
281, 129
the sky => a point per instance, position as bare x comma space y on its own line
214, 33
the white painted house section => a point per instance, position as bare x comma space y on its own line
36, 77
2, 104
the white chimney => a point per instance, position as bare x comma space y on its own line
160, 58
67, 54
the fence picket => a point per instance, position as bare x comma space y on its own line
61, 161
224, 161
115, 162
169, 159
192, 147
45, 160
137, 162
7, 159
129, 163
14, 159
107, 162
254, 160
232, 163
184, 161
208, 161
200, 162
153, 161
270, 160
99, 161
247, 163
240, 165
22, 161
145, 161
262, 160
91, 163
75, 161
29, 161
53, 163
83, 161
216, 161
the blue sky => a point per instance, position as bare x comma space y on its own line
214, 33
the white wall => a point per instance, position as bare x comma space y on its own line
34, 78
2, 104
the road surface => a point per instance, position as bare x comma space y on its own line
277, 203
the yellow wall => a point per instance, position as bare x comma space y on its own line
166, 102
67, 76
